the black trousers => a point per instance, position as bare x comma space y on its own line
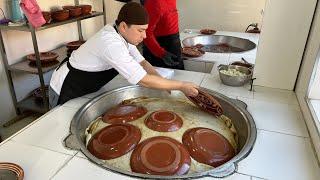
78, 83
170, 43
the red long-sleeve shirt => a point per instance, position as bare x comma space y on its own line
163, 21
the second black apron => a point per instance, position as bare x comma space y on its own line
170, 43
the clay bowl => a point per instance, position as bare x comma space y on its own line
164, 121
208, 146
38, 94
124, 113
74, 45
60, 15
47, 16
86, 9
44, 57
207, 31
11, 171
207, 103
74, 11
114, 141
160, 156
240, 63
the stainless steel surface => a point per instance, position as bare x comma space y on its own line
23, 66
234, 109
209, 41
234, 80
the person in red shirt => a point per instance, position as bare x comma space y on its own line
162, 46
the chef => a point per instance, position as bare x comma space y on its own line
110, 52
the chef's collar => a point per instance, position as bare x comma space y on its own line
116, 29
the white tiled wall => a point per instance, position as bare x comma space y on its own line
231, 15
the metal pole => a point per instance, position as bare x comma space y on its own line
104, 13
38, 62
8, 72
76, 2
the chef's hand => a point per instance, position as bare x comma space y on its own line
168, 59
189, 89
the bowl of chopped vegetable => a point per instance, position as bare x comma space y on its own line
233, 75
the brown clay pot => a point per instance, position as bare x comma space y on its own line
47, 16
74, 45
16, 169
114, 141
207, 31
164, 121
74, 11
160, 156
239, 63
208, 146
123, 114
44, 57
207, 103
86, 9
60, 15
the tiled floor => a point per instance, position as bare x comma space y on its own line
6, 132
37, 163
57, 125
282, 149
288, 156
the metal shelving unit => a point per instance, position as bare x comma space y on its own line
29, 103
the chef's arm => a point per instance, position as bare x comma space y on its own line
156, 82
149, 68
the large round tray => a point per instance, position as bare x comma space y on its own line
234, 109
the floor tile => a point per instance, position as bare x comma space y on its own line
277, 117
278, 156
195, 77
89, 170
275, 95
50, 131
234, 176
84, 169
37, 163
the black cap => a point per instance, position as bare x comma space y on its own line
133, 13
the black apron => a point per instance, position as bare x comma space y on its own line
78, 83
170, 43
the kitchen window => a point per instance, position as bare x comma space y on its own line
314, 90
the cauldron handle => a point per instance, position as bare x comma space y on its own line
224, 171
240, 103
70, 142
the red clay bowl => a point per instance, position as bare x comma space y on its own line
114, 141
160, 156
208, 146
164, 121
123, 114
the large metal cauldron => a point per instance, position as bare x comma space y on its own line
211, 43
234, 109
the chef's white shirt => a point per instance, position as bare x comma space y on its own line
105, 50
